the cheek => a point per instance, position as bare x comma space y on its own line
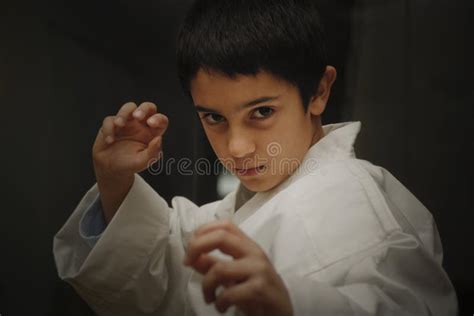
297, 141
217, 141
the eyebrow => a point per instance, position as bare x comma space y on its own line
201, 108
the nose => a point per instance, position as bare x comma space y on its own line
240, 144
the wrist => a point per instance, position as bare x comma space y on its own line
112, 193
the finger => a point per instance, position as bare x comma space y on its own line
147, 156
125, 113
218, 239
224, 273
159, 122
243, 295
108, 129
224, 224
144, 111
205, 262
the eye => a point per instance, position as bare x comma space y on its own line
262, 112
213, 118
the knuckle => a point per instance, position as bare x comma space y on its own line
260, 266
222, 236
219, 269
137, 162
258, 287
227, 223
95, 156
106, 120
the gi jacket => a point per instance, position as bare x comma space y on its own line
346, 237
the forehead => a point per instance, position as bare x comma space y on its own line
215, 89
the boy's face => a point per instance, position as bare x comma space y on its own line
256, 125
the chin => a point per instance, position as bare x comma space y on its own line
259, 185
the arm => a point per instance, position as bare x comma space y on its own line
127, 271
130, 260
135, 268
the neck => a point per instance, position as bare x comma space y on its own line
318, 130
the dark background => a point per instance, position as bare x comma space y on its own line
405, 70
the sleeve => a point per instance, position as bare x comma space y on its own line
92, 223
397, 277
135, 267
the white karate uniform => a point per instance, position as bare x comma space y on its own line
345, 236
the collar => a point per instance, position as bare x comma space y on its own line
336, 144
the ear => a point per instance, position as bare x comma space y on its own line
318, 102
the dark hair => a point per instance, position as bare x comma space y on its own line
282, 37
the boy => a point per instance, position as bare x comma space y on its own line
311, 230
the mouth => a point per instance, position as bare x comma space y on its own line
249, 171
